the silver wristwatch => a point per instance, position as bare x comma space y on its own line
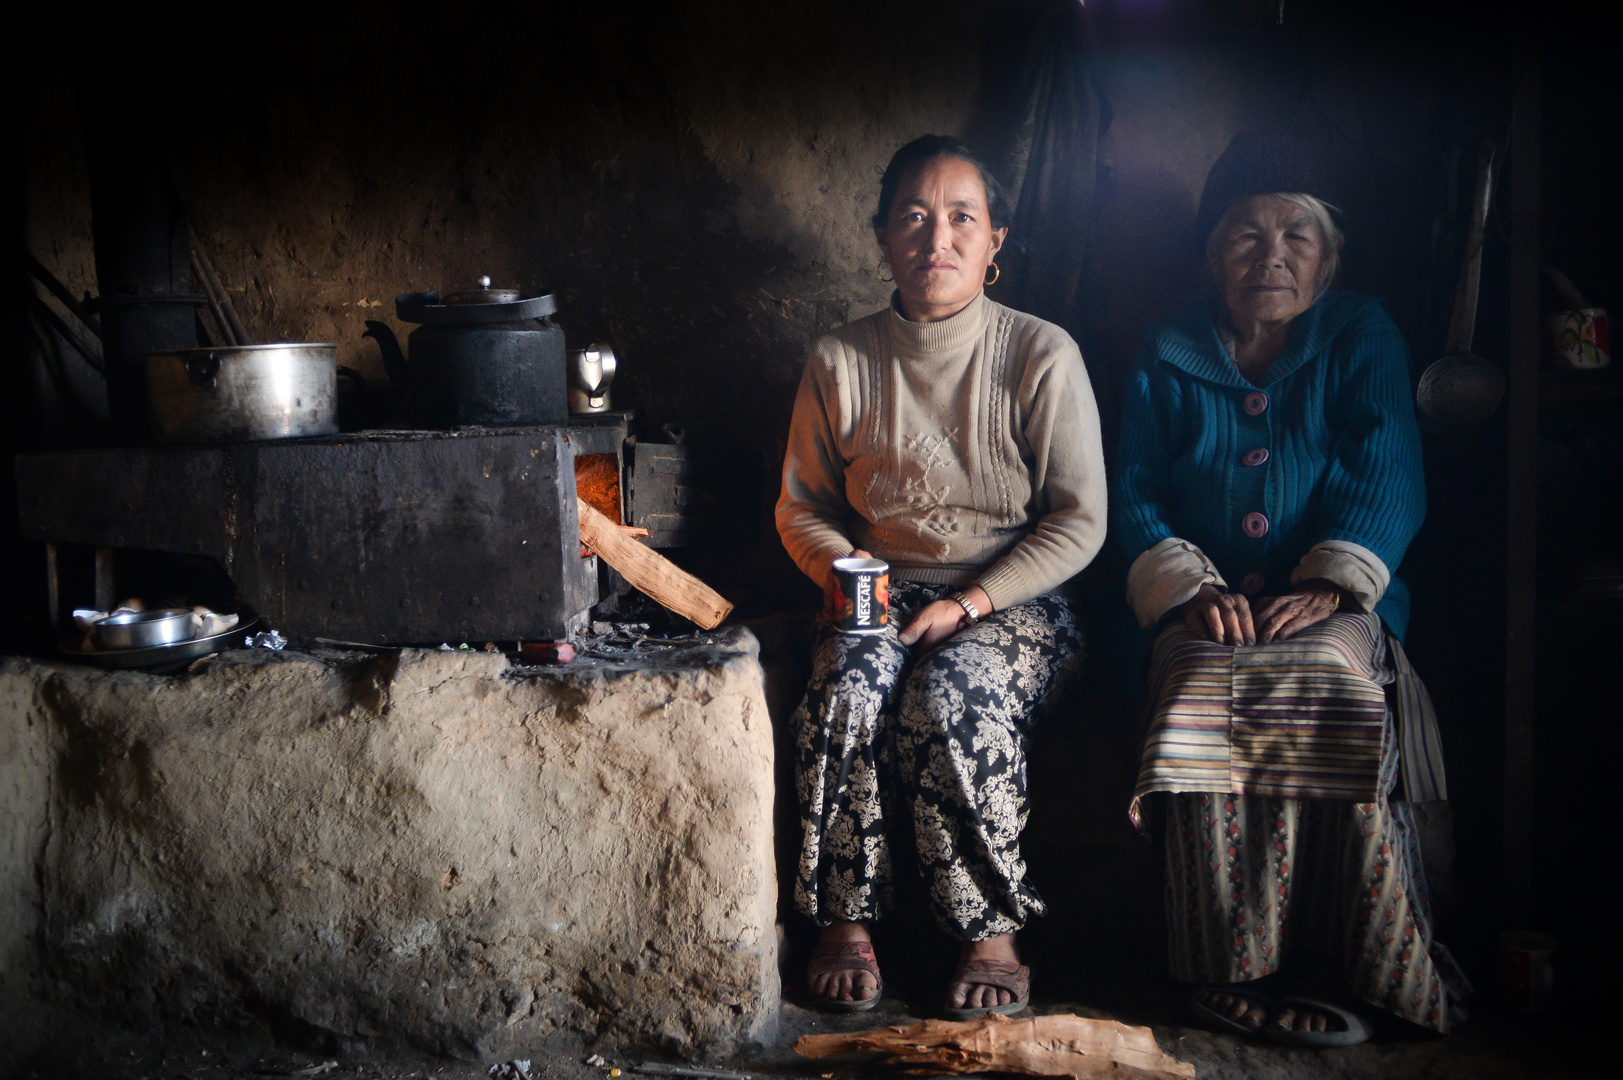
968, 605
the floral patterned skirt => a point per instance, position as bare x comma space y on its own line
1252, 877
892, 746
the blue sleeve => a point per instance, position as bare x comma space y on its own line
1374, 487
1141, 509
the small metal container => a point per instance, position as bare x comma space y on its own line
862, 602
140, 629
590, 372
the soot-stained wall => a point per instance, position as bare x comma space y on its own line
691, 180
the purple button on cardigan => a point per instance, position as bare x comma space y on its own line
1256, 403
1255, 457
1255, 525
1252, 583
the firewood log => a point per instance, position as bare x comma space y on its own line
1058, 1045
650, 571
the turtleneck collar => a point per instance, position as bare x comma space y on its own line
943, 335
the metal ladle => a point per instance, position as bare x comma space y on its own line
1463, 388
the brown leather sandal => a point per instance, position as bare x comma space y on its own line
1004, 974
844, 956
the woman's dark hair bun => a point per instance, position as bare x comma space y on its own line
928, 148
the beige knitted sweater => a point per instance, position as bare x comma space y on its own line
961, 451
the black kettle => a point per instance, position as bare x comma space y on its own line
484, 358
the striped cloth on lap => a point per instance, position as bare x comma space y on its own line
1299, 719
1308, 713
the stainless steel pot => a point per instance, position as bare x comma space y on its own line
243, 393
140, 629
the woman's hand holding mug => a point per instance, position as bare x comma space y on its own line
931, 626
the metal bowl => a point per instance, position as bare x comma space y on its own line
140, 629
166, 658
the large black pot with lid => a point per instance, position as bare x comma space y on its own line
486, 358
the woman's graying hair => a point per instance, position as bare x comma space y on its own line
1320, 211
928, 148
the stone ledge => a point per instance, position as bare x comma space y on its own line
424, 845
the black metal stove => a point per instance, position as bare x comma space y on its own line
376, 536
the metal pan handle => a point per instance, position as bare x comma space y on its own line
203, 371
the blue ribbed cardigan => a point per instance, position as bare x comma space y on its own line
1344, 459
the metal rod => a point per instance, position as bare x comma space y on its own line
80, 346
1521, 555
215, 310
213, 285
60, 291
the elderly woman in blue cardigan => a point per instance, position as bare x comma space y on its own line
1269, 481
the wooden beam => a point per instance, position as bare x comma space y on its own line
1521, 554
1054, 1045
104, 579
53, 588
650, 571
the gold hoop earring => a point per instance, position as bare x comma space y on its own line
996, 273
879, 272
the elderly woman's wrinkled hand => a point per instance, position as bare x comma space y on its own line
1221, 617
1282, 617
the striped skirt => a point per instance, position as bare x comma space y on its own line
1279, 764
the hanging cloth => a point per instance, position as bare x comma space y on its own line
1039, 115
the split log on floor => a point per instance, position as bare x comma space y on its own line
1058, 1045
650, 571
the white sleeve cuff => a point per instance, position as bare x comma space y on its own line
1354, 568
1165, 576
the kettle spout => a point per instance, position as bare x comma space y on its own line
394, 361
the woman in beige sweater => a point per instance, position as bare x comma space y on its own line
957, 440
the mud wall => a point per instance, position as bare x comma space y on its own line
428, 846
24, 810
691, 181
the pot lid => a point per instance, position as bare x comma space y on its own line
481, 305
483, 295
